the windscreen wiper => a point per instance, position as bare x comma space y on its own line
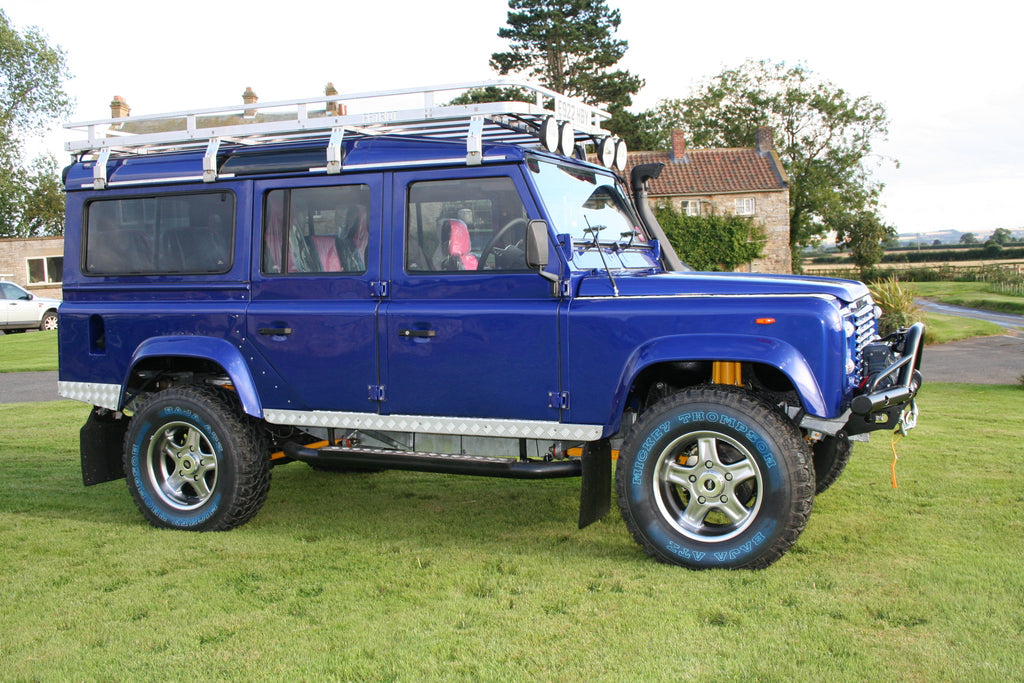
594, 230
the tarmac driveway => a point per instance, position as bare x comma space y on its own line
983, 360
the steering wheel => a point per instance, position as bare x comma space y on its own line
489, 247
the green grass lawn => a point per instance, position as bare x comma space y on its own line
940, 328
28, 352
407, 576
970, 294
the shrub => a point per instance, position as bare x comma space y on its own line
712, 242
897, 301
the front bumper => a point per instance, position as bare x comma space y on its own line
887, 400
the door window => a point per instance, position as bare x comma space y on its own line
466, 224
316, 230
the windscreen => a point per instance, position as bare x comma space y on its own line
581, 200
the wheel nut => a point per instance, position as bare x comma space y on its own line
702, 500
693, 477
728, 476
725, 499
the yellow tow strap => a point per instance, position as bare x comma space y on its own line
896, 436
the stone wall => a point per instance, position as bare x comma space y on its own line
771, 211
15, 254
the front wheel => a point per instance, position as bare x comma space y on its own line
194, 461
714, 477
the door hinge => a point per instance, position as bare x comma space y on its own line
379, 288
377, 392
558, 400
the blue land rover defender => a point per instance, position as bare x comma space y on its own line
450, 289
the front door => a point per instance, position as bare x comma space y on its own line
468, 330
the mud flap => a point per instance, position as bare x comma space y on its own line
595, 489
101, 441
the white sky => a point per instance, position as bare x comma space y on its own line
950, 75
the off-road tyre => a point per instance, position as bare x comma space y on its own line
713, 477
830, 457
194, 461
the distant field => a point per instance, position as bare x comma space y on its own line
1017, 266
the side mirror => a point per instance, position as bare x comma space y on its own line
538, 249
537, 254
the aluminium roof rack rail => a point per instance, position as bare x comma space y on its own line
568, 123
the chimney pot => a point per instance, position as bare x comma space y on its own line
678, 145
334, 108
119, 108
765, 139
249, 97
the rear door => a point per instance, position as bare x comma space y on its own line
314, 300
468, 330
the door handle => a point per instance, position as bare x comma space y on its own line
420, 334
275, 331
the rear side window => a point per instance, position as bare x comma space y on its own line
181, 234
316, 230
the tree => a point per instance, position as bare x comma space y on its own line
712, 242
823, 135
43, 210
569, 46
968, 238
32, 97
864, 234
1002, 236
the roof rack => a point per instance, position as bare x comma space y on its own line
570, 122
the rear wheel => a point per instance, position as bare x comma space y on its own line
49, 321
714, 477
194, 461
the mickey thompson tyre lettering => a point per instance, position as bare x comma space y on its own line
194, 461
713, 477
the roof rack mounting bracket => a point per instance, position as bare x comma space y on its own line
99, 171
210, 161
474, 141
335, 151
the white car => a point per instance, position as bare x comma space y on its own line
21, 310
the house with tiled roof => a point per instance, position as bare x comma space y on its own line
747, 181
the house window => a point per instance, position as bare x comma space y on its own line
745, 206
45, 270
690, 207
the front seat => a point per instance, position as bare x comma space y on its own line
455, 246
